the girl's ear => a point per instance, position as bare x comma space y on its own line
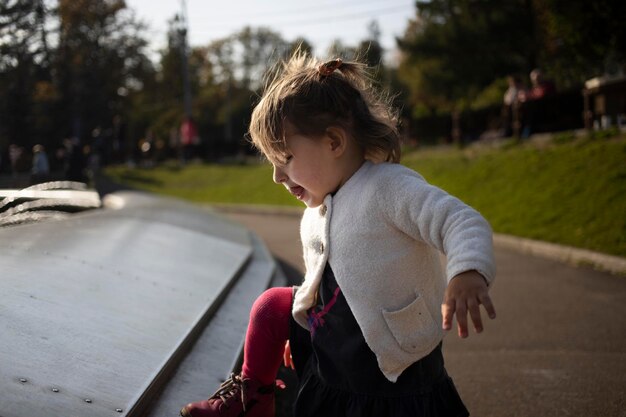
338, 140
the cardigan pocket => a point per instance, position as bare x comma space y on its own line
413, 326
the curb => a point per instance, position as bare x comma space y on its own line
567, 254
570, 255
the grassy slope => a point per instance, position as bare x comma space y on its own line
574, 193
208, 183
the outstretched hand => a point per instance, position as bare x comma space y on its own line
465, 293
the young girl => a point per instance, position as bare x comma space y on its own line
364, 329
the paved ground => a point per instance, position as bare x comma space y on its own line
557, 348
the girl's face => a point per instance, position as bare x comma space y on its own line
312, 170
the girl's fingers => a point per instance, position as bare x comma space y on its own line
447, 311
461, 318
474, 310
485, 300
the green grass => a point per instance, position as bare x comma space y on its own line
573, 194
207, 183
570, 192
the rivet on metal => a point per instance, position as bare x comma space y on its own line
87, 400
55, 390
23, 380
119, 410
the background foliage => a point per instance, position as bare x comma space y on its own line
79, 68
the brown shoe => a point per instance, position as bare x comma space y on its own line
236, 397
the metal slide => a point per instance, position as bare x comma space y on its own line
131, 309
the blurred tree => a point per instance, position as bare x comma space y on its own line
100, 58
221, 54
244, 57
25, 77
581, 39
224, 76
170, 80
259, 50
158, 109
453, 49
338, 49
301, 44
23, 32
239, 64
369, 50
456, 53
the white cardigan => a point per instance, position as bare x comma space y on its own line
382, 233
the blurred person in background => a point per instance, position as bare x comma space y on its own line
41, 167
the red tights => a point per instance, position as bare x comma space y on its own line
267, 333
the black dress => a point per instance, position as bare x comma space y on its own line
339, 374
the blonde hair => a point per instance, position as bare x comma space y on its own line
306, 94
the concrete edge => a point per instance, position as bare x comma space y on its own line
210, 360
574, 256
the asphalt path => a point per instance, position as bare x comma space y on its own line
556, 348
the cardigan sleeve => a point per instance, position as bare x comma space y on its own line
429, 214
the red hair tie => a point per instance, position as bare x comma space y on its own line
329, 67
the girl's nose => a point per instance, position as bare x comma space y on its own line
279, 175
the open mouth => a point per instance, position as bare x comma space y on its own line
297, 192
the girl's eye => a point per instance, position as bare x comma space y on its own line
288, 158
